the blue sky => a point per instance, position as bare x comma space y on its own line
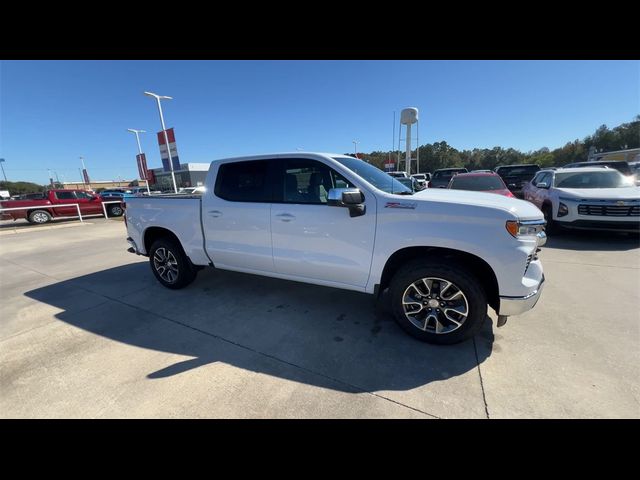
51, 112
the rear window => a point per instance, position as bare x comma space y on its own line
243, 182
519, 170
447, 174
479, 184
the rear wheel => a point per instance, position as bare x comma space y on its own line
115, 211
438, 302
39, 217
170, 265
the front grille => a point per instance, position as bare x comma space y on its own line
609, 210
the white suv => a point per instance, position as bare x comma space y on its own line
592, 198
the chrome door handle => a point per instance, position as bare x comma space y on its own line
285, 217
215, 213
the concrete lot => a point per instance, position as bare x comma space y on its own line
86, 331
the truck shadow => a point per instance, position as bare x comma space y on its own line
337, 339
593, 241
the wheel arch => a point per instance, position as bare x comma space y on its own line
152, 234
480, 268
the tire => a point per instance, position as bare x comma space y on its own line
39, 217
551, 228
473, 301
115, 211
170, 265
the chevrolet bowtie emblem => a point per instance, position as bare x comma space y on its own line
619, 202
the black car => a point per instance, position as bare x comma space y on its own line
441, 177
516, 176
622, 166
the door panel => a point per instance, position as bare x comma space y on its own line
238, 233
313, 240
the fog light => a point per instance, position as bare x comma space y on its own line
563, 210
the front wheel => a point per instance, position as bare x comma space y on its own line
438, 302
551, 227
170, 265
39, 217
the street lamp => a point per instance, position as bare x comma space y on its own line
137, 132
164, 130
2, 160
355, 148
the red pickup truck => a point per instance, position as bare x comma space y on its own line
44, 209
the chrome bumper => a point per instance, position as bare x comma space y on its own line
516, 305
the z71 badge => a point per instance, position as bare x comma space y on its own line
410, 205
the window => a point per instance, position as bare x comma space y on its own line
478, 183
65, 196
544, 178
309, 181
243, 182
83, 195
373, 175
604, 179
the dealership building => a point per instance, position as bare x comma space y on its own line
189, 175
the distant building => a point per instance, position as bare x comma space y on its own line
189, 175
628, 155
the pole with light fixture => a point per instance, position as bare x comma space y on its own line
164, 130
137, 132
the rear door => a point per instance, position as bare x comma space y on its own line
66, 198
311, 239
236, 217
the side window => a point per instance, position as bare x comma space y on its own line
243, 182
545, 178
536, 179
83, 195
309, 181
65, 196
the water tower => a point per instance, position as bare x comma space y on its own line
408, 117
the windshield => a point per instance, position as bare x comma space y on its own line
420, 176
604, 179
373, 175
477, 183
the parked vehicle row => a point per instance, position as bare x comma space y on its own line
44, 209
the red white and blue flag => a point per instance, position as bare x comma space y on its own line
142, 166
172, 147
86, 176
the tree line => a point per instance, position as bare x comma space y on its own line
442, 155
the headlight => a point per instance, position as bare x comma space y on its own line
563, 210
524, 228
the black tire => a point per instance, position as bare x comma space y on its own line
39, 217
166, 253
462, 279
115, 210
551, 227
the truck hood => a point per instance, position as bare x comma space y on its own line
626, 193
520, 208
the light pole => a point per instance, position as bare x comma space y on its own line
2, 160
164, 130
137, 132
355, 148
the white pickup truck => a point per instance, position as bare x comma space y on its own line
441, 256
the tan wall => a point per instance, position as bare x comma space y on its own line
96, 185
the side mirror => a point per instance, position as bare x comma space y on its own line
542, 185
352, 198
